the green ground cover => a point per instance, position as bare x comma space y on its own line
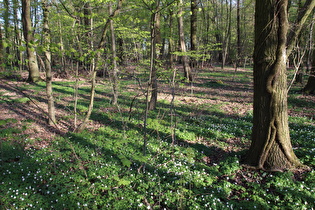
192, 158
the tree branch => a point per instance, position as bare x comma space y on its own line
115, 12
303, 14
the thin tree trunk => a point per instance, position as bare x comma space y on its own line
95, 67
297, 27
185, 60
271, 147
7, 35
88, 25
113, 76
1, 51
172, 109
310, 45
155, 39
297, 61
227, 37
238, 29
239, 49
62, 50
121, 52
218, 33
171, 40
193, 28
76, 89
17, 34
47, 61
28, 36
310, 86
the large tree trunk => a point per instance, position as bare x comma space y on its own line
271, 147
28, 36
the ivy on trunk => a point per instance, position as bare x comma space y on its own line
271, 147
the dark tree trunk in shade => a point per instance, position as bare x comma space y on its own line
310, 85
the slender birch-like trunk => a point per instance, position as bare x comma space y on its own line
113, 75
47, 62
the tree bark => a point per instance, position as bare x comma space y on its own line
171, 40
61, 48
7, 34
121, 52
239, 47
187, 71
298, 25
17, 34
28, 36
271, 147
1, 51
310, 45
226, 40
88, 26
47, 61
155, 40
113, 75
193, 26
310, 86
193, 29
95, 67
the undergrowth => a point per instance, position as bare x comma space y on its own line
191, 162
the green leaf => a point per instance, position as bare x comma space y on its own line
124, 182
22, 48
124, 161
5, 44
3, 122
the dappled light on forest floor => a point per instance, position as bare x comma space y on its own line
192, 156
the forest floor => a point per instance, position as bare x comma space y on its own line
234, 97
212, 115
